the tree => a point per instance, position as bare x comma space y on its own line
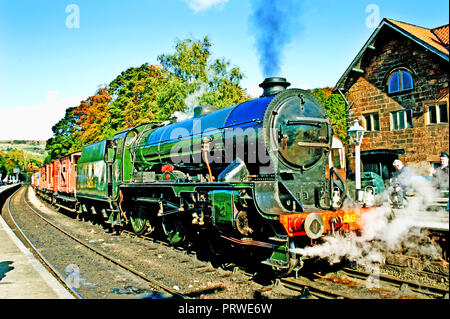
335, 106
224, 89
149, 93
62, 141
15, 158
3, 168
135, 95
189, 62
194, 73
92, 123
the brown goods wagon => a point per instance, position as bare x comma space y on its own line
66, 178
56, 181
49, 184
42, 177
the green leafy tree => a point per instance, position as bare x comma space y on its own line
62, 142
335, 106
189, 62
149, 93
3, 164
171, 98
136, 93
224, 89
193, 71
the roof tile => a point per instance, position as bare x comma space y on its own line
437, 37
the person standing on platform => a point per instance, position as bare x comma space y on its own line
440, 175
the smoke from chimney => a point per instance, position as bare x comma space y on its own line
274, 23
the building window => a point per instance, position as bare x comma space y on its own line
371, 122
437, 113
401, 120
400, 80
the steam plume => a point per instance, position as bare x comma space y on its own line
384, 232
274, 23
191, 101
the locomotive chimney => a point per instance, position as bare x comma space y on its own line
273, 85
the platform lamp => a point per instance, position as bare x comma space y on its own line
356, 133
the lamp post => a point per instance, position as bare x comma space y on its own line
356, 133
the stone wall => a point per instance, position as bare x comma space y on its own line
422, 143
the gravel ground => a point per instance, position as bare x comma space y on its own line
92, 276
179, 269
183, 270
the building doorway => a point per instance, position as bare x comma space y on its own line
380, 162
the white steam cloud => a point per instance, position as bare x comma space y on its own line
385, 231
191, 101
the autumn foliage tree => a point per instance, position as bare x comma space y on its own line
149, 93
22, 160
92, 124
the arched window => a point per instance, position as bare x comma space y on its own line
400, 80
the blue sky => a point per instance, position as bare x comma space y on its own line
49, 63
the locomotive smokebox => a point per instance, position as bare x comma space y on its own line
273, 85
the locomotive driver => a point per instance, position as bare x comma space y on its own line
399, 183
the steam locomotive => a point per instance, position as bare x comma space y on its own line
251, 175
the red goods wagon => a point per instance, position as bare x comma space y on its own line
42, 177
66, 178
56, 181
49, 183
73, 172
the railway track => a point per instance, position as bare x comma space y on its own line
179, 272
402, 284
307, 288
349, 283
36, 251
51, 265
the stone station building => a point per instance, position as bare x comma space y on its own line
397, 87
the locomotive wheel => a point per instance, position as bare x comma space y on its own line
138, 220
173, 229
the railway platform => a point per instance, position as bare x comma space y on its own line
22, 276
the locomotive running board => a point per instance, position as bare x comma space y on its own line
250, 242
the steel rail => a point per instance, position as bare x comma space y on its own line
72, 290
317, 290
314, 289
421, 288
153, 282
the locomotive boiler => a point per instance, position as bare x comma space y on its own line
253, 174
